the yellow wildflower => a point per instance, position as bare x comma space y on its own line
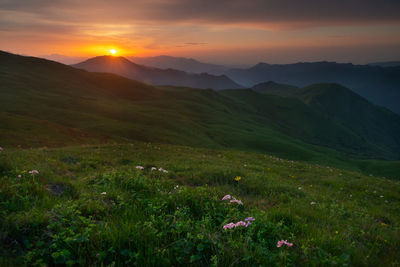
238, 178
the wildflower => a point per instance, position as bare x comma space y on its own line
176, 187
103, 193
299, 188
249, 220
337, 232
1, 149
33, 172
162, 170
384, 224
229, 226
381, 196
139, 167
313, 203
153, 168
240, 223
283, 242
238, 178
236, 201
226, 197
19, 176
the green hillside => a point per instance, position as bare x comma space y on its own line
45, 103
374, 125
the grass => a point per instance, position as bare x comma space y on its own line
152, 218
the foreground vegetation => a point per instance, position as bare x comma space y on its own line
95, 205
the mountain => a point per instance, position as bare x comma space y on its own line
373, 123
386, 64
44, 103
155, 76
339, 104
179, 63
379, 85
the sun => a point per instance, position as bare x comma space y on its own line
113, 51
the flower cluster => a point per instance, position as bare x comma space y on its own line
162, 170
239, 223
232, 199
283, 242
159, 169
33, 172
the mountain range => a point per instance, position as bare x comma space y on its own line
179, 63
156, 76
45, 103
378, 82
379, 85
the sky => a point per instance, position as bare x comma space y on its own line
215, 31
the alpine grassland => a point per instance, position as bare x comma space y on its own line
150, 204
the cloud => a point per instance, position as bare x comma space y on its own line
260, 12
191, 44
83, 27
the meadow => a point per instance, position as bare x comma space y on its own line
150, 204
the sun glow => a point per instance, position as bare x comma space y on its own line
113, 51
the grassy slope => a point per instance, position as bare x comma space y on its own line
49, 104
59, 216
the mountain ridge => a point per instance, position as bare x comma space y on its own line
377, 84
155, 76
180, 63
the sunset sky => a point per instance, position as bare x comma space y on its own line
217, 31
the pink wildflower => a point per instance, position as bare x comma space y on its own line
240, 223
283, 242
1, 149
248, 219
33, 172
19, 176
139, 167
153, 168
226, 197
229, 226
313, 203
236, 201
